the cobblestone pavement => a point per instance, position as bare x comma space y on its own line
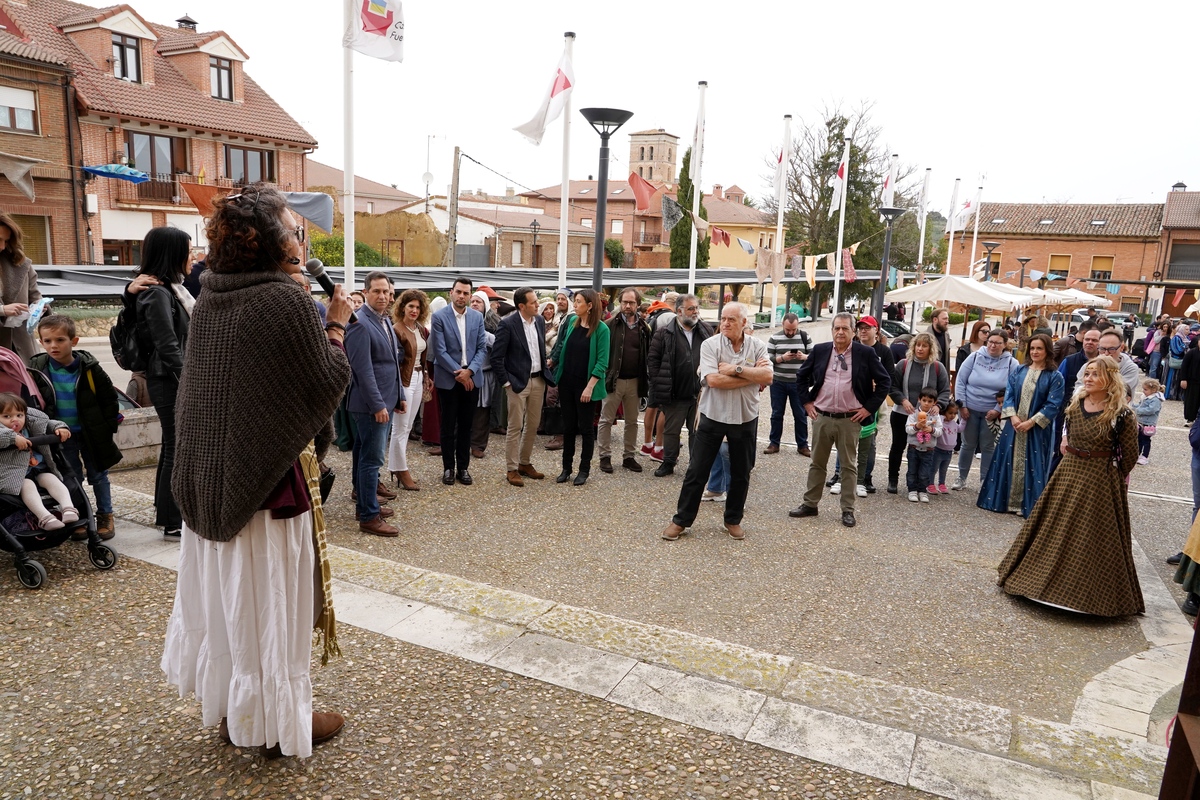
85, 712
907, 596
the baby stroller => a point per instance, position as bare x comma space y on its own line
18, 535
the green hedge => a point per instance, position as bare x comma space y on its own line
955, 318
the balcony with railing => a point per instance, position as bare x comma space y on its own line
647, 239
166, 189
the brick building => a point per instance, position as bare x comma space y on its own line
619, 211
652, 155
1180, 248
1098, 245
37, 121
173, 102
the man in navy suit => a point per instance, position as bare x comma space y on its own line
519, 365
842, 383
457, 348
375, 391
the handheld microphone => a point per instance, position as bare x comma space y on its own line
317, 270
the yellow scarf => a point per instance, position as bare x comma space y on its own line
324, 627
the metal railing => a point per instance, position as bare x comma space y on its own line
163, 188
649, 238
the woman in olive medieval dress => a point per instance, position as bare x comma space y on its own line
1075, 550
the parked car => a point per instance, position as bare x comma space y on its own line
1074, 318
894, 327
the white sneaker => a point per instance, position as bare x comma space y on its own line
835, 489
860, 491
959, 483
912, 497
923, 497
1143, 460
712, 497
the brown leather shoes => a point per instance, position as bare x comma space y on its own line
384, 491
529, 472
735, 531
326, 725
377, 527
772, 449
805, 451
385, 512
672, 532
555, 443
514, 477
477, 453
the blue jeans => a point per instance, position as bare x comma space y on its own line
1155, 360
370, 443
920, 469
976, 436
783, 394
79, 458
941, 463
718, 476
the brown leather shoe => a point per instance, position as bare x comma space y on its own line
435, 451
384, 491
735, 531
326, 725
556, 443
805, 451
514, 477
105, 526
477, 453
772, 449
529, 472
385, 512
672, 532
377, 527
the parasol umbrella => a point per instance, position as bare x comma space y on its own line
118, 171
955, 289
1082, 298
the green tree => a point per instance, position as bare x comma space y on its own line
329, 250
615, 252
681, 234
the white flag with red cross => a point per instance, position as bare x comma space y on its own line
838, 180
552, 106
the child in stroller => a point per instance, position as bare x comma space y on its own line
23, 468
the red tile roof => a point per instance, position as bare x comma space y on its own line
520, 220
1183, 210
727, 212
585, 190
87, 14
1092, 220
172, 98
14, 46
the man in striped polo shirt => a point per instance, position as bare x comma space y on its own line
787, 350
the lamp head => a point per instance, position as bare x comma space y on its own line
890, 213
605, 120
990, 246
1024, 260
535, 225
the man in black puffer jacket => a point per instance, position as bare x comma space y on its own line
673, 362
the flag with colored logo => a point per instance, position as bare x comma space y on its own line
963, 215
552, 104
376, 29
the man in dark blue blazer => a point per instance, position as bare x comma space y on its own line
842, 383
375, 391
457, 348
519, 365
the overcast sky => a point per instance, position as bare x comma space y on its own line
1056, 100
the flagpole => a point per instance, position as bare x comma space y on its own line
953, 214
921, 227
975, 237
837, 260
780, 193
348, 157
696, 163
565, 203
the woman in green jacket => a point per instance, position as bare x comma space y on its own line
580, 362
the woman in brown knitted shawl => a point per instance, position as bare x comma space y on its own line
260, 379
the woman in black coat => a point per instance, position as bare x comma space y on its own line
1189, 381
163, 313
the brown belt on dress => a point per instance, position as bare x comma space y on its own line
1089, 453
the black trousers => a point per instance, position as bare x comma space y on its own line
457, 407
578, 420
899, 443
162, 396
706, 445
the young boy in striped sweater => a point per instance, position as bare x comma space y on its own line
83, 397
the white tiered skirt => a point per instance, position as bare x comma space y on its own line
240, 634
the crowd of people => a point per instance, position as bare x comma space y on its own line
1056, 426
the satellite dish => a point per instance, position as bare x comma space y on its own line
427, 177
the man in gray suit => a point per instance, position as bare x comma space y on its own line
457, 348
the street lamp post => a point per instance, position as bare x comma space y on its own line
605, 121
533, 226
1023, 260
890, 215
987, 266
428, 176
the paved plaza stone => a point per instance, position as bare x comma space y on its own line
886, 650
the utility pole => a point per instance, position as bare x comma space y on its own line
449, 260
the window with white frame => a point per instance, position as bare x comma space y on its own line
586, 222
583, 254
618, 226
18, 110
518, 252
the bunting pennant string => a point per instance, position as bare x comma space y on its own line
797, 268
672, 213
718, 235
892, 277
810, 271
770, 266
831, 263
1113, 288
1179, 293
749, 248
1072, 281
848, 266
701, 224
643, 191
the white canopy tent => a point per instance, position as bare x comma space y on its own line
955, 289
1082, 298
